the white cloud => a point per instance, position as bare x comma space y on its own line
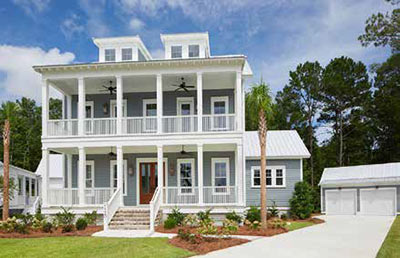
71, 26
94, 10
135, 24
16, 63
31, 7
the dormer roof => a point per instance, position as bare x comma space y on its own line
179, 37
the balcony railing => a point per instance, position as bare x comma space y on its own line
98, 196
212, 195
143, 125
63, 196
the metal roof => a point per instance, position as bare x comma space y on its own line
280, 144
365, 174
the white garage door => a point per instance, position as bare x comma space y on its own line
381, 201
341, 202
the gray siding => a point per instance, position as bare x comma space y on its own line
280, 195
135, 101
102, 170
358, 194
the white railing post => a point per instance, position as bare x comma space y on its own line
45, 176
120, 173
199, 102
105, 216
200, 172
45, 106
160, 168
159, 103
238, 102
81, 175
119, 104
81, 106
239, 172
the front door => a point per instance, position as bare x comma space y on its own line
148, 181
185, 112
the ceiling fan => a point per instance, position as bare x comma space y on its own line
111, 89
182, 85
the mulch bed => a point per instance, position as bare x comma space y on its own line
56, 233
208, 244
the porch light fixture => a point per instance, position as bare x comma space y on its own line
111, 154
105, 108
130, 171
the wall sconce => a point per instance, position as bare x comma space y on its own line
131, 171
105, 109
171, 169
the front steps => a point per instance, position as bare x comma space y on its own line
132, 219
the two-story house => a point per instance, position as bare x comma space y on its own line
145, 135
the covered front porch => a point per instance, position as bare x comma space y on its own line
192, 175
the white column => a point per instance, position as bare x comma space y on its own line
120, 172
69, 106
45, 106
81, 106
200, 172
159, 103
81, 175
200, 101
45, 176
238, 102
160, 170
69, 171
119, 104
239, 172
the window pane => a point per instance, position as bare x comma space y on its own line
220, 169
256, 173
269, 174
176, 51
219, 107
194, 51
127, 54
279, 172
220, 182
88, 183
269, 181
257, 181
151, 109
145, 178
279, 181
109, 54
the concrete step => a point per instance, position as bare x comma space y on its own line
115, 223
129, 227
129, 219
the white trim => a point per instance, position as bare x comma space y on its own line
218, 99
377, 189
147, 160
112, 164
90, 163
89, 104
301, 169
184, 100
273, 176
113, 104
344, 190
193, 174
220, 160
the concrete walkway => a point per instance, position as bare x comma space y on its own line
340, 236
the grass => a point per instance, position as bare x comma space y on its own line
89, 247
299, 224
391, 246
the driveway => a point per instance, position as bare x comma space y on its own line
340, 236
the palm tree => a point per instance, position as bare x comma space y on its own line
260, 102
7, 113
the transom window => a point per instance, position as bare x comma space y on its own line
194, 51
109, 55
275, 176
176, 51
126, 54
186, 175
220, 174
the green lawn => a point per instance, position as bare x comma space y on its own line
391, 246
89, 247
299, 224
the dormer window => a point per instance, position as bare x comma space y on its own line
109, 55
126, 54
176, 52
194, 51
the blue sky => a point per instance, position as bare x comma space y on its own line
276, 35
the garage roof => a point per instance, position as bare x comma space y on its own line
387, 173
280, 145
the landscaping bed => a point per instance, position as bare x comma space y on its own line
55, 233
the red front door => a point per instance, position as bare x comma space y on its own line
148, 181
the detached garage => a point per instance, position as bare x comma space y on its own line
363, 190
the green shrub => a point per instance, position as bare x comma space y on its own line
38, 215
229, 227
65, 219
14, 225
21, 228
36, 223
25, 218
273, 211
234, 217
284, 216
81, 224
204, 216
207, 227
190, 220
90, 217
67, 228
277, 223
253, 214
177, 216
47, 227
169, 223
301, 203
187, 236
255, 225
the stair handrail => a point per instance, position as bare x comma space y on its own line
155, 204
111, 207
35, 205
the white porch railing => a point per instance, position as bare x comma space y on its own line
139, 125
62, 127
111, 207
155, 204
181, 195
96, 196
63, 196
179, 124
218, 123
220, 195
212, 195
100, 126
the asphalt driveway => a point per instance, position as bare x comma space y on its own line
340, 236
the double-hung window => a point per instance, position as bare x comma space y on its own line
126, 54
275, 176
194, 51
176, 51
109, 55
186, 176
220, 175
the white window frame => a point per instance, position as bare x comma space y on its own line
145, 121
91, 193
178, 168
220, 160
89, 123
181, 51
125, 176
273, 174
184, 100
122, 55
219, 99
105, 54
183, 124
113, 104
198, 54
